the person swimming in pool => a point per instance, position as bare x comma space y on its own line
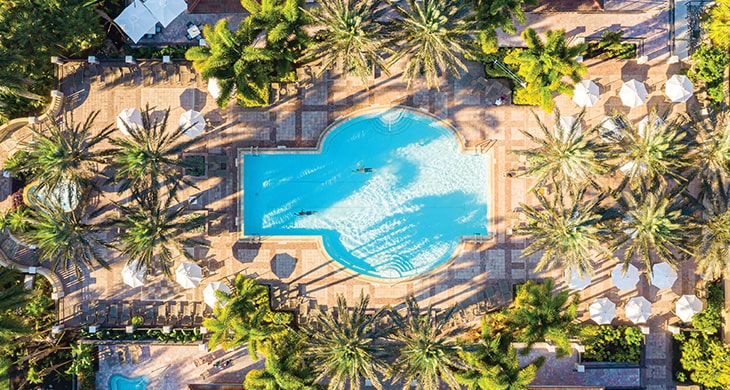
363, 169
308, 212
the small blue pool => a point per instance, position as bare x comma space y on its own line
120, 382
391, 193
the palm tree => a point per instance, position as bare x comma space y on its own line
544, 65
427, 351
649, 225
13, 84
64, 239
285, 366
345, 347
237, 64
566, 155
351, 33
712, 246
150, 157
566, 233
711, 159
540, 315
283, 22
12, 296
719, 26
433, 33
490, 15
653, 151
493, 363
246, 318
62, 153
150, 229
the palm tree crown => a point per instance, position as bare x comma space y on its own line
344, 346
567, 234
490, 15
434, 33
712, 246
427, 349
711, 160
351, 33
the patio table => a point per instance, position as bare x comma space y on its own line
193, 31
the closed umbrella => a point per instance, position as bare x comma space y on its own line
188, 275
575, 282
214, 88
633, 93
687, 306
129, 118
585, 93
663, 276
602, 311
136, 20
209, 294
638, 310
625, 281
165, 11
193, 123
679, 88
133, 277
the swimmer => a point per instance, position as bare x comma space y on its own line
308, 212
362, 169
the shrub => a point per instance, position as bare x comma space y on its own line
610, 46
137, 321
710, 64
605, 343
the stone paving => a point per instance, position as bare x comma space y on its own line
299, 116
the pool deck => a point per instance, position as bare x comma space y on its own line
296, 119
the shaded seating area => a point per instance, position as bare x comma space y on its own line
118, 314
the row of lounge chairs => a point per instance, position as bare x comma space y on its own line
155, 314
124, 353
121, 73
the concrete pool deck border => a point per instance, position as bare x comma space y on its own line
460, 248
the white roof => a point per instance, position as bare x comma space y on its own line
136, 20
165, 11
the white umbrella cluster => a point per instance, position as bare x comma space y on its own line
139, 18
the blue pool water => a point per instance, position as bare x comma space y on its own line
403, 218
120, 382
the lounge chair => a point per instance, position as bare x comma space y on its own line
113, 314
126, 316
162, 315
149, 315
102, 311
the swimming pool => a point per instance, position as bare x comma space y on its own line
121, 382
389, 191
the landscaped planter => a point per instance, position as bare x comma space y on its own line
607, 345
199, 166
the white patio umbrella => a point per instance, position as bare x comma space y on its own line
662, 275
214, 88
625, 282
610, 131
129, 118
188, 275
136, 20
687, 306
633, 93
679, 88
166, 10
638, 310
585, 93
641, 126
565, 123
575, 282
209, 295
602, 311
133, 277
193, 122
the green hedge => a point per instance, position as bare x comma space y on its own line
605, 343
177, 335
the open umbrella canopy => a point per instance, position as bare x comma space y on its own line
136, 20
602, 311
633, 93
193, 123
188, 275
641, 126
625, 282
166, 10
214, 88
662, 275
129, 118
209, 294
679, 88
687, 306
585, 93
133, 277
562, 128
609, 131
575, 282
638, 310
